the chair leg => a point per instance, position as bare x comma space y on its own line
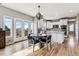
50, 45
47, 45
33, 48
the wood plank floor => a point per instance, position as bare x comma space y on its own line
9, 50
70, 47
58, 50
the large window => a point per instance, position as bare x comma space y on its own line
18, 28
8, 26
31, 27
26, 28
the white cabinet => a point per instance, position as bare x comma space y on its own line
57, 36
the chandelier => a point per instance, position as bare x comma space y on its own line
39, 15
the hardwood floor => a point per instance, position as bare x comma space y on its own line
70, 47
59, 50
9, 50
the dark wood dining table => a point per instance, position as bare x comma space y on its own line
41, 45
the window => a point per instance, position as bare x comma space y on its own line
8, 26
26, 28
31, 27
18, 28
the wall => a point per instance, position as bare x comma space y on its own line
49, 24
15, 14
77, 27
35, 26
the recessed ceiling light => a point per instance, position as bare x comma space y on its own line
56, 14
70, 10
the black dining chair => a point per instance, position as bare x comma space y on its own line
46, 40
49, 40
29, 40
33, 40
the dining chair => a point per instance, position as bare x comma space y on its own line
46, 40
33, 40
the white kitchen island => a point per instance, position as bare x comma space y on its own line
57, 36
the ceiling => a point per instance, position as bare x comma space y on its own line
48, 10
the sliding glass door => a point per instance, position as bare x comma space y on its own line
8, 26
26, 28
31, 26
18, 28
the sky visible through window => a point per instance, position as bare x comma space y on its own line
18, 24
25, 25
8, 23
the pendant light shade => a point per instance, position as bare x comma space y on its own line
39, 15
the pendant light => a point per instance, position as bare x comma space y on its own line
39, 15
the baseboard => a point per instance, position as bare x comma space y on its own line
16, 42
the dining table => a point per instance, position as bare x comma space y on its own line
38, 37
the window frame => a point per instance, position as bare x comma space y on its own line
23, 27
31, 22
29, 27
9, 17
19, 19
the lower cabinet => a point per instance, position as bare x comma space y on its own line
2, 39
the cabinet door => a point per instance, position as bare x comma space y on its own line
2, 39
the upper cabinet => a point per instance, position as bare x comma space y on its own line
63, 22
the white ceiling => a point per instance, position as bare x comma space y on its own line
48, 10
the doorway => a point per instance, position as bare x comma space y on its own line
71, 28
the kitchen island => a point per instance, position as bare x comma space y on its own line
57, 36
